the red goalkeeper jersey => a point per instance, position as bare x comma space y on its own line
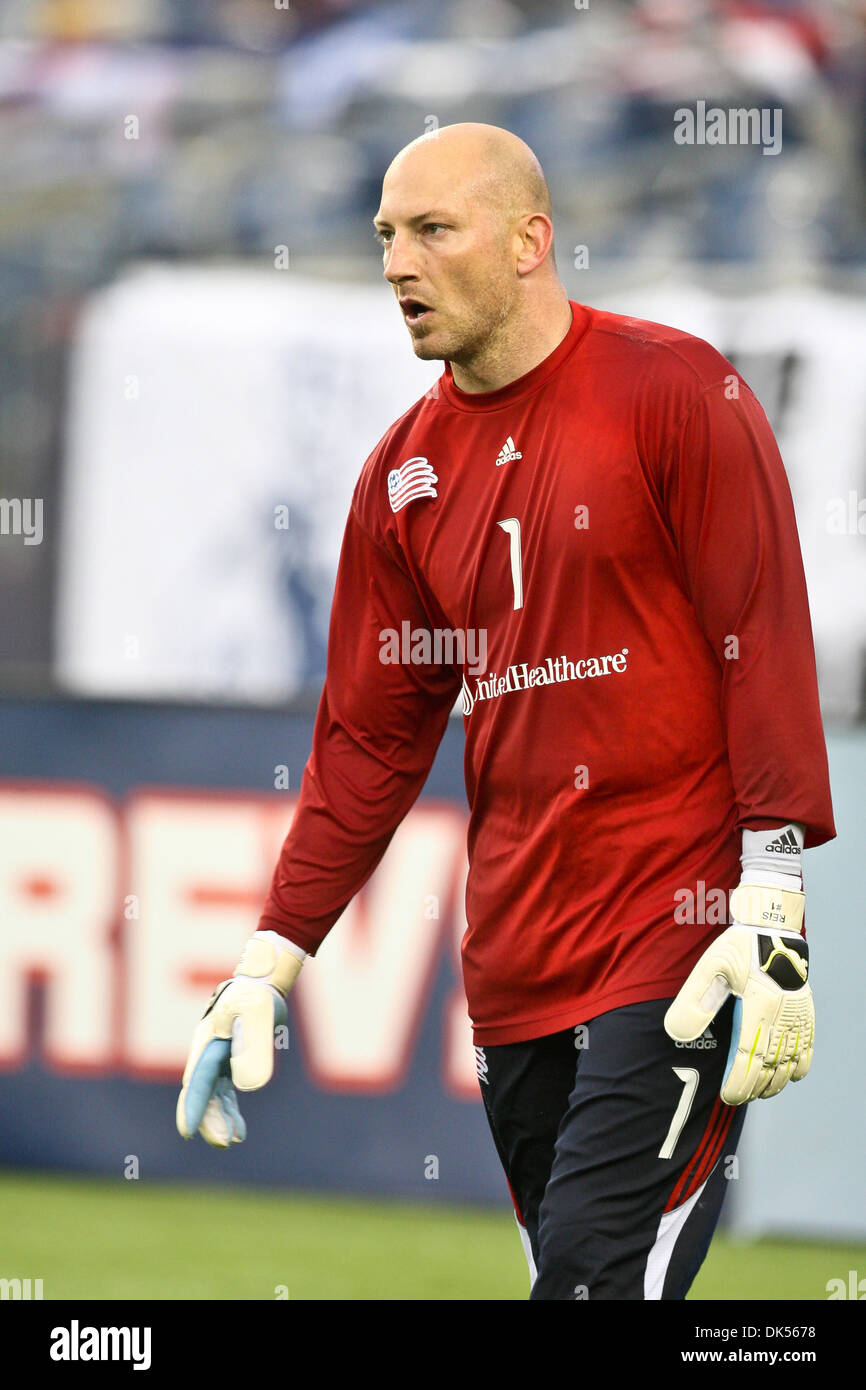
614, 532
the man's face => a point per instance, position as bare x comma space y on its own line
448, 256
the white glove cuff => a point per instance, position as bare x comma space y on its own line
770, 909
281, 942
267, 963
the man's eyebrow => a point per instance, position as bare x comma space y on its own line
431, 216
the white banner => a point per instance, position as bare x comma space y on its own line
220, 417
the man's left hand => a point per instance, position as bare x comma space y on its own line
764, 961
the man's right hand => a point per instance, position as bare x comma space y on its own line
233, 1044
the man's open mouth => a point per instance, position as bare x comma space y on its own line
414, 310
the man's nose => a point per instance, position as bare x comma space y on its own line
399, 262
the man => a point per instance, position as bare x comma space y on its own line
603, 500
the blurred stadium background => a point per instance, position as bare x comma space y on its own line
196, 356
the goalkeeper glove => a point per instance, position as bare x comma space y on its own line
233, 1044
763, 960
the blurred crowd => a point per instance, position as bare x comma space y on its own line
194, 127
201, 129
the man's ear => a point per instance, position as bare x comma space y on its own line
534, 241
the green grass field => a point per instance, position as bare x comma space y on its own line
90, 1239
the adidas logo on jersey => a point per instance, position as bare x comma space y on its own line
786, 844
507, 453
706, 1040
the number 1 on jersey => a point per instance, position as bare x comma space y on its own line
512, 526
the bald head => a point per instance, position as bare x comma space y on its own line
491, 165
465, 223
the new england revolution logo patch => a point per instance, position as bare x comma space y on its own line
413, 479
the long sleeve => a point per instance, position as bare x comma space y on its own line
377, 729
729, 507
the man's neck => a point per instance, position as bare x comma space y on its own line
522, 346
